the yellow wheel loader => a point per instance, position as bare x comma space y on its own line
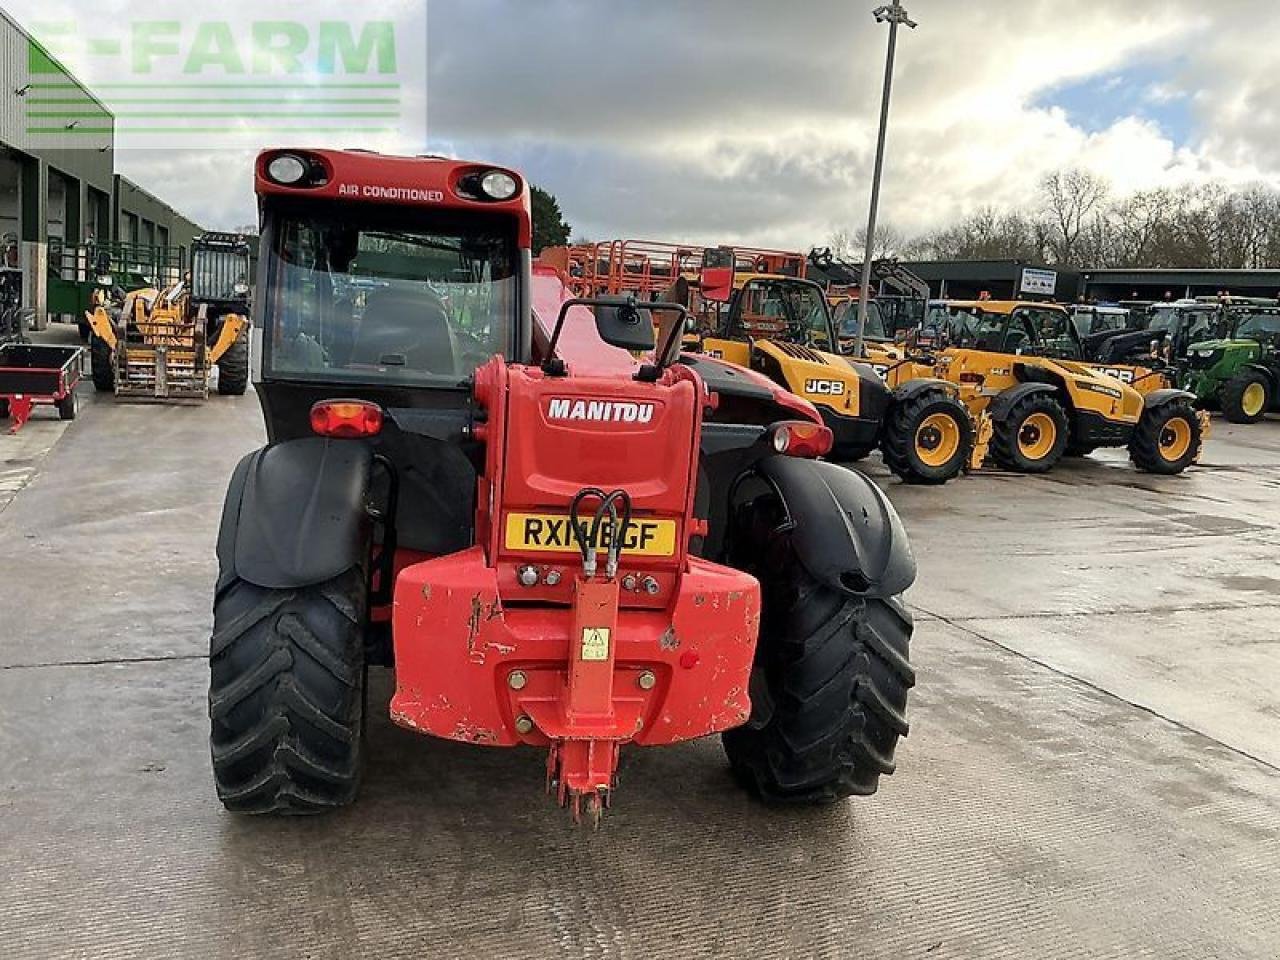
1013, 360
164, 344
781, 326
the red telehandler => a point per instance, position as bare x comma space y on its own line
555, 529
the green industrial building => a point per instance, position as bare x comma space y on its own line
61, 202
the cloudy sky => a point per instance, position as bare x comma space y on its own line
753, 120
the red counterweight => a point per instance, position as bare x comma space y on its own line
514, 641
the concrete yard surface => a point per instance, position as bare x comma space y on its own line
1093, 768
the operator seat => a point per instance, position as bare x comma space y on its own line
413, 326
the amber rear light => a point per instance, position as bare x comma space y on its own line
346, 419
799, 438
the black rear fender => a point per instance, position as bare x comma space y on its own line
845, 532
914, 388
1270, 374
1002, 404
296, 514
1158, 398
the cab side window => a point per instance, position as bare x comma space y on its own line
989, 331
1051, 331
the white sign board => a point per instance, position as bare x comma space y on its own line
1041, 283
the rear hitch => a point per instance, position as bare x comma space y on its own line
583, 761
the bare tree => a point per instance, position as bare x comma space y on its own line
1207, 226
1070, 198
852, 246
842, 244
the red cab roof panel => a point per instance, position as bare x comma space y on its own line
361, 176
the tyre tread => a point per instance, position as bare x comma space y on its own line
900, 431
1004, 437
835, 718
233, 367
1144, 448
285, 695
1232, 394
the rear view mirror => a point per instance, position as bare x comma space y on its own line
624, 324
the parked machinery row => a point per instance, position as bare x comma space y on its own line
941, 386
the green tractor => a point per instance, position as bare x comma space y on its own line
1239, 374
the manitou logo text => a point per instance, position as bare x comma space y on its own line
600, 411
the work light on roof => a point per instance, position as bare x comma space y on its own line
499, 185
287, 169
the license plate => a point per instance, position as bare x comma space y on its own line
550, 533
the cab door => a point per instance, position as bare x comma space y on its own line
1050, 332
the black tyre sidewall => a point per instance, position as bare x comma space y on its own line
233, 367
1232, 394
899, 444
101, 363
1144, 448
1005, 448
278, 656
829, 688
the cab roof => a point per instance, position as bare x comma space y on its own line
423, 182
998, 306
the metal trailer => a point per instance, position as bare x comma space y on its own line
33, 374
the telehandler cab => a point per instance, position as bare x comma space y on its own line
1020, 363
782, 328
473, 480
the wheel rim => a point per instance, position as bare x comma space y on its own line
1037, 436
1175, 439
1254, 398
937, 440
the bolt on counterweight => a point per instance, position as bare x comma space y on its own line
894, 14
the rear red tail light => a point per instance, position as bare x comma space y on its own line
798, 438
346, 419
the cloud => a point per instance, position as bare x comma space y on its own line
754, 121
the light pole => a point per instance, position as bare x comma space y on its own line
894, 13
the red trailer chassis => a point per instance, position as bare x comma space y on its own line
35, 374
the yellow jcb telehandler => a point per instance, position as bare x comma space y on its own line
781, 326
163, 344
1014, 360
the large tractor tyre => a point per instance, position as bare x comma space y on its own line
102, 365
1032, 436
1246, 397
1167, 439
286, 695
233, 367
828, 691
928, 438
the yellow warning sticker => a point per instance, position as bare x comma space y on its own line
595, 643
